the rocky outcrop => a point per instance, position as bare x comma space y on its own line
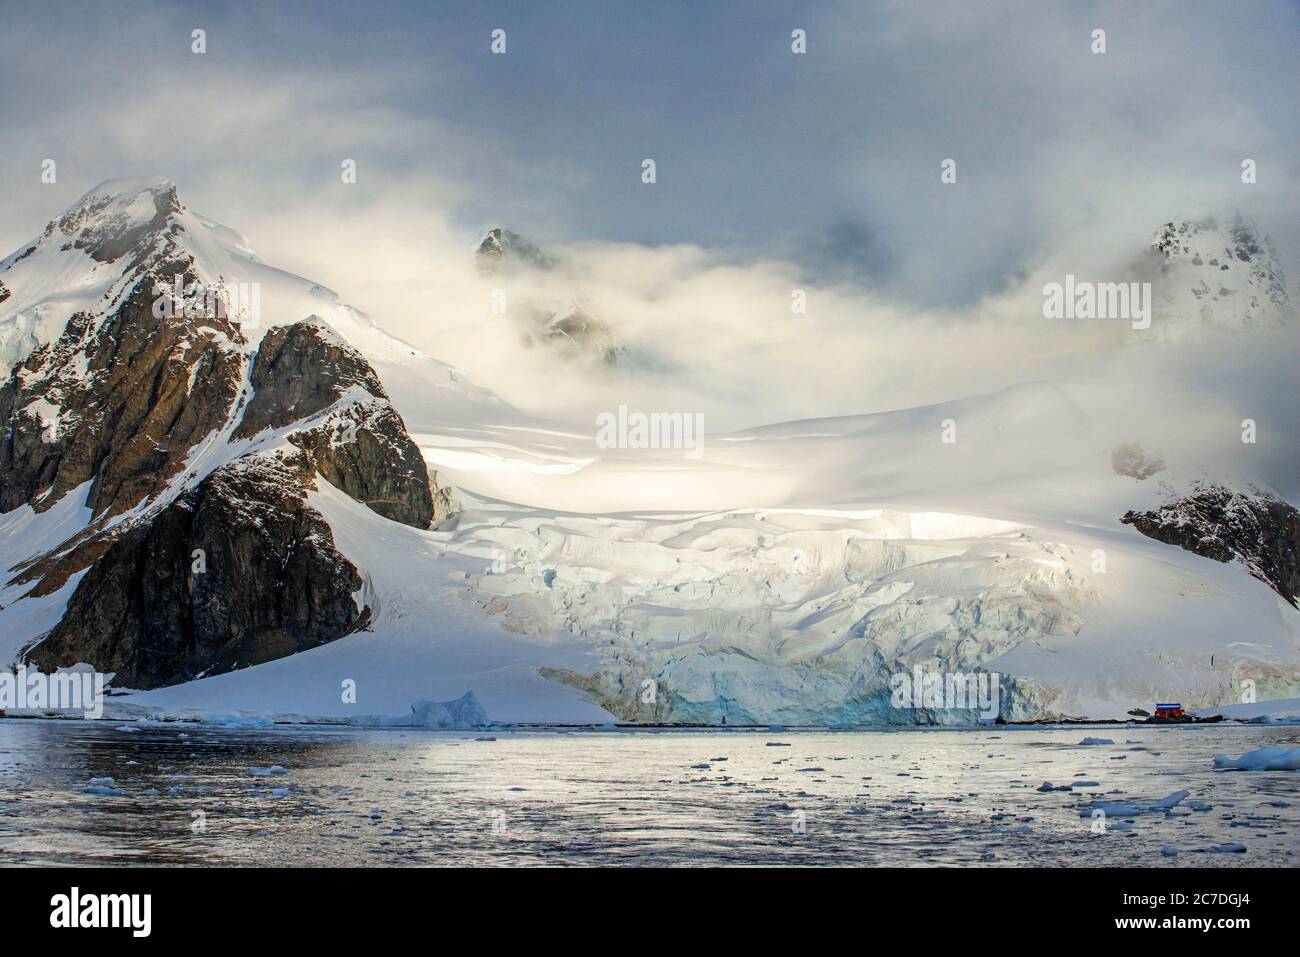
237, 571
118, 401
1257, 529
502, 251
108, 229
574, 333
302, 370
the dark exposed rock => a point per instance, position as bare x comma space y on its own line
4, 292
300, 370
108, 234
273, 583
363, 449
367, 454
622, 694
237, 571
134, 393
1259, 530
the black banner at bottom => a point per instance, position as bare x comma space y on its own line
332, 907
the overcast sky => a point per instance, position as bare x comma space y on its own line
830, 159
774, 171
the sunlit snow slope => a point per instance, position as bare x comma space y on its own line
783, 589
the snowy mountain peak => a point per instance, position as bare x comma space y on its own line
552, 314
117, 217
1217, 275
502, 249
128, 232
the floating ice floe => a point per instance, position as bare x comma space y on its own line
1090, 741
103, 789
268, 772
1131, 808
1268, 758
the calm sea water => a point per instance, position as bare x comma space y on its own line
387, 797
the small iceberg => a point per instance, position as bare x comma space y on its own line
103, 789
1272, 757
462, 714
1226, 849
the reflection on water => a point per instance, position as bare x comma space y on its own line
371, 797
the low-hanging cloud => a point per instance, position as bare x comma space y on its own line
818, 175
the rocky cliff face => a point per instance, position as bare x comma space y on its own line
1257, 529
237, 571
196, 448
118, 401
357, 440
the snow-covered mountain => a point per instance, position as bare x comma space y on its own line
177, 451
549, 312
1211, 275
783, 575
88, 257
503, 251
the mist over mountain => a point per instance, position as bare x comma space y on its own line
214, 470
